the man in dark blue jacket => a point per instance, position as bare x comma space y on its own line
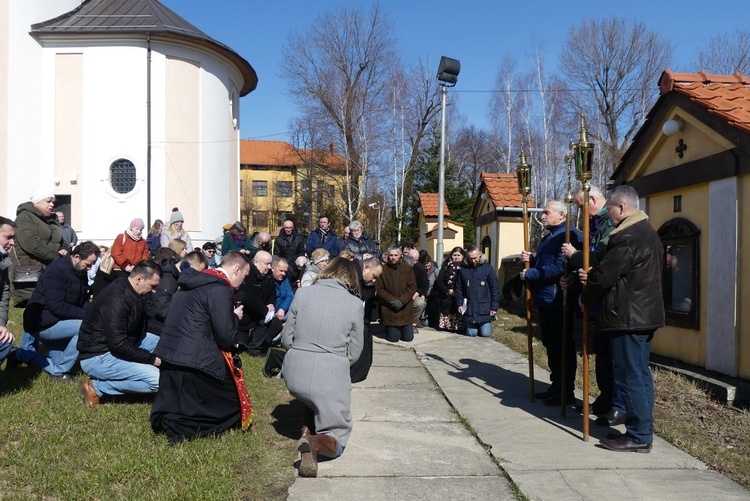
56, 309
478, 286
323, 237
543, 278
115, 349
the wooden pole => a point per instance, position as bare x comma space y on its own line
566, 313
529, 335
586, 251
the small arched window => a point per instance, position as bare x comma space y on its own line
680, 280
122, 176
487, 246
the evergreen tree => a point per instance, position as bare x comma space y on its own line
427, 180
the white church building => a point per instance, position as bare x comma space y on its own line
124, 109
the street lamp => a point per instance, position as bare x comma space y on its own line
523, 176
583, 153
378, 207
447, 75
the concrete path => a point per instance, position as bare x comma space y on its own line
410, 440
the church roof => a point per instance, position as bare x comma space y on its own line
147, 17
429, 203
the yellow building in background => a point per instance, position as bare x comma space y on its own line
280, 182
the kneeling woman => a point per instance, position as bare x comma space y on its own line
323, 334
201, 391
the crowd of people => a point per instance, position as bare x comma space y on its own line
151, 314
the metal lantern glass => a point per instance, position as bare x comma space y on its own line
523, 175
583, 153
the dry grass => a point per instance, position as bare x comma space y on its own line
684, 414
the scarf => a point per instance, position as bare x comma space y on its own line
451, 274
133, 236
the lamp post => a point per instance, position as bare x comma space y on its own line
447, 75
583, 152
377, 206
523, 176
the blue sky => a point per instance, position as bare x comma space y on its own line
478, 33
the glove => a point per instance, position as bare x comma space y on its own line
396, 304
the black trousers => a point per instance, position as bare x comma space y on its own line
261, 336
605, 378
551, 326
361, 367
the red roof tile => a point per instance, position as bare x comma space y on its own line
429, 204
727, 96
283, 154
503, 190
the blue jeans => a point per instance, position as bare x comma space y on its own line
27, 348
60, 341
484, 329
4, 350
114, 376
630, 354
396, 333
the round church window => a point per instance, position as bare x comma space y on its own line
122, 176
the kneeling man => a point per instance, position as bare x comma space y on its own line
115, 350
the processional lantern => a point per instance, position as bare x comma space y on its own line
583, 153
523, 176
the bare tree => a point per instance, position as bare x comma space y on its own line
475, 152
342, 70
415, 103
505, 109
618, 61
726, 53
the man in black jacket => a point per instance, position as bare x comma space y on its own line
115, 350
627, 280
197, 393
56, 309
258, 296
290, 245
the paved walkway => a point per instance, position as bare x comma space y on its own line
410, 441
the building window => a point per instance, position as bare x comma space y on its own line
680, 278
260, 188
260, 218
283, 215
284, 188
122, 176
242, 188
331, 189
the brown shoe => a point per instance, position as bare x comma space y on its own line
419, 325
86, 388
308, 449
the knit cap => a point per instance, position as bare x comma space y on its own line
176, 216
42, 194
137, 223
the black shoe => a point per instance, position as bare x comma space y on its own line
255, 353
62, 378
12, 361
613, 418
555, 400
601, 406
543, 395
624, 444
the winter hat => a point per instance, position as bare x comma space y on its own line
176, 216
42, 194
137, 223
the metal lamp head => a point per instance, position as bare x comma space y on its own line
583, 152
523, 175
448, 71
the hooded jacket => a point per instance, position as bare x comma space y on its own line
481, 289
60, 294
318, 240
39, 237
628, 278
200, 324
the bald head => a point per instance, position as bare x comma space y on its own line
262, 262
414, 254
596, 199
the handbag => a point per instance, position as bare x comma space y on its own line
107, 264
26, 273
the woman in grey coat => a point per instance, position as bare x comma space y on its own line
322, 343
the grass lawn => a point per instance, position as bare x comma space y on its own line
53, 447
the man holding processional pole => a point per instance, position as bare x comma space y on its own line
542, 277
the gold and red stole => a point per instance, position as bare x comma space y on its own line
238, 375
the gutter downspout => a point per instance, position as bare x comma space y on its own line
148, 130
